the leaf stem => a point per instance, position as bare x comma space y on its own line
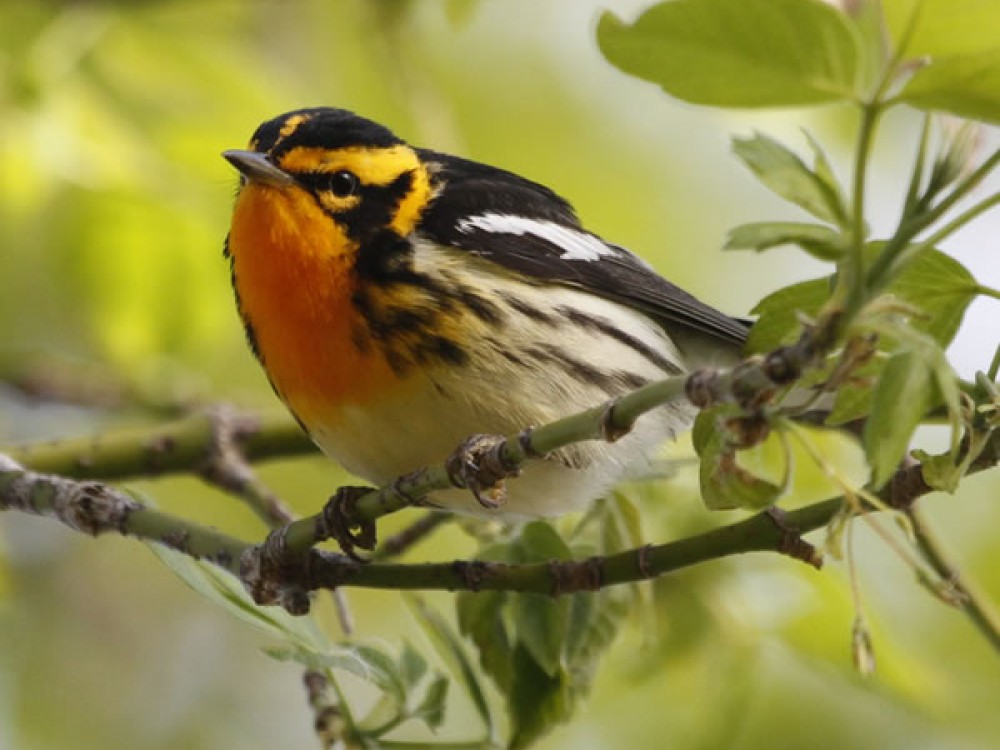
885, 265
979, 610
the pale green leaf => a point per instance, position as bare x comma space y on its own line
540, 622
785, 174
824, 173
431, 708
818, 240
449, 647
940, 472
941, 288
537, 700
902, 397
227, 592
964, 85
778, 321
481, 619
738, 53
944, 27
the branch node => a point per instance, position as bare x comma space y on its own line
480, 465
611, 432
473, 573
642, 561
270, 574
701, 387
780, 368
524, 440
791, 542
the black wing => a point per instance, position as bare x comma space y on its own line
524, 226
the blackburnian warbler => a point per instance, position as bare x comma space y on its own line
401, 300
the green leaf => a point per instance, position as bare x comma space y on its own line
935, 283
449, 647
385, 672
939, 471
902, 397
854, 400
481, 619
785, 174
227, 592
431, 708
540, 622
595, 621
738, 53
965, 85
824, 173
941, 287
778, 321
537, 700
816, 239
412, 664
944, 27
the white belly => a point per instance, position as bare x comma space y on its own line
540, 372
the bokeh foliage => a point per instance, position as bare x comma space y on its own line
113, 203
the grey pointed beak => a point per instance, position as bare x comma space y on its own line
256, 168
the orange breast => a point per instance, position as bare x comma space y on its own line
292, 271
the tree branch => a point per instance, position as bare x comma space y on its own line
184, 445
93, 508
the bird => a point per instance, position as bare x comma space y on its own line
401, 299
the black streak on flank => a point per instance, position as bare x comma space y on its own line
527, 309
612, 382
608, 328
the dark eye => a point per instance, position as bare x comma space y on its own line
342, 183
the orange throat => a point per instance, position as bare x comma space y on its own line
292, 271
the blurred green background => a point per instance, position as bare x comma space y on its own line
113, 205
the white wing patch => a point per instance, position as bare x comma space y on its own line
575, 245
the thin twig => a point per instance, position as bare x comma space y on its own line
411, 535
979, 610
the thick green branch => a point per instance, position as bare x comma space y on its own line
180, 446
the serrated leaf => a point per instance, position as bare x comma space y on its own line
540, 622
818, 240
932, 282
343, 658
824, 173
481, 619
227, 592
738, 53
778, 314
537, 700
939, 472
412, 664
786, 175
431, 708
941, 287
385, 672
964, 85
595, 621
902, 397
449, 647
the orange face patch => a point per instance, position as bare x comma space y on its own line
292, 271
